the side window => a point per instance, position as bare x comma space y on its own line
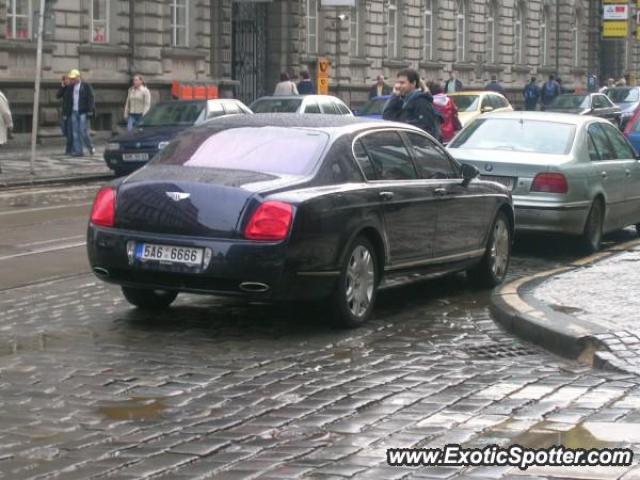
599, 102
312, 107
601, 143
231, 107
363, 160
594, 156
215, 110
430, 160
621, 148
389, 156
342, 108
496, 102
328, 106
486, 102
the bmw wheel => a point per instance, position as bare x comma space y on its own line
493, 267
149, 299
352, 301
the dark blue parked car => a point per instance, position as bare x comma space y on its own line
373, 108
130, 151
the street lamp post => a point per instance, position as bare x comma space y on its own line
36, 94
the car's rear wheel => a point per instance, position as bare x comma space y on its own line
638, 228
492, 269
354, 297
149, 299
592, 235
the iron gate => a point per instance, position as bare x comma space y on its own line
249, 49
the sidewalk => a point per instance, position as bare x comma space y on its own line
51, 165
587, 310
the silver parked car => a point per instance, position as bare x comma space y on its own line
568, 174
326, 104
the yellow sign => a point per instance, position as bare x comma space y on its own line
617, 29
638, 33
613, 1
324, 68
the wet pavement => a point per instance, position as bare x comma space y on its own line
605, 293
92, 388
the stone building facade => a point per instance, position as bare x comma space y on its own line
243, 45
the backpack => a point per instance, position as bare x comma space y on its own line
531, 93
550, 89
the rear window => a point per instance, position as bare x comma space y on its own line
466, 103
276, 105
373, 107
622, 95
516, 135
570, 102
173, 114
275, 150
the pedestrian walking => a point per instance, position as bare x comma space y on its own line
531, 94
285, 86
6, 121
380, 88
453, 84
447, 108
494, 86
411, 105
138, 102
64, 93
550, 90
305, 86
82, 107
610, 84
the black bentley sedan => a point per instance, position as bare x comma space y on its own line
298, 207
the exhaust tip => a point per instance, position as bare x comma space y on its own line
254, 287
101, 272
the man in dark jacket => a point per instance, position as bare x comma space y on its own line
531, 94
305, 86
494, 86
82, 105
411, 105
549, 91
453, 84
64, 93
379, 88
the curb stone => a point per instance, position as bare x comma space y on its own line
516, 308
26, 182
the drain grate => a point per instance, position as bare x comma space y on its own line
500, 350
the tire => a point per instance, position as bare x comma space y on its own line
638, 229
493, 267
149, 299
352, 302
592, 235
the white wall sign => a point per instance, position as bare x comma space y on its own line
338, 3
616, 12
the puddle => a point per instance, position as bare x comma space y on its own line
548, 434
133, 409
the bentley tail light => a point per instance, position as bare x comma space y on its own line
104, 208
270, 222
550, 183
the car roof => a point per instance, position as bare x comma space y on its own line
343, 123
473, 92
299, 97
557, 117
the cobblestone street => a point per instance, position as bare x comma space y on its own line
92, 388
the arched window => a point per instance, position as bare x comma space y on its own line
461, 34
428, 29
544, 36
518, 34
492, 21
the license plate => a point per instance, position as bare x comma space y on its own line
133, 157
169, 254
508, 182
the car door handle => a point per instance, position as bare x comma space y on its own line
627, 172
386, 195
440, 192
604, 174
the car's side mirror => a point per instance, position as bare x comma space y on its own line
487, 109
469, 172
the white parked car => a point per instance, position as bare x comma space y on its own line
326, 104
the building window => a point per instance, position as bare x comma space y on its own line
354, 32
392, 30
100, 21
491, 33
544, 37
312, 26
19, 19
461, 34
179, 23
428, 29
518, 33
